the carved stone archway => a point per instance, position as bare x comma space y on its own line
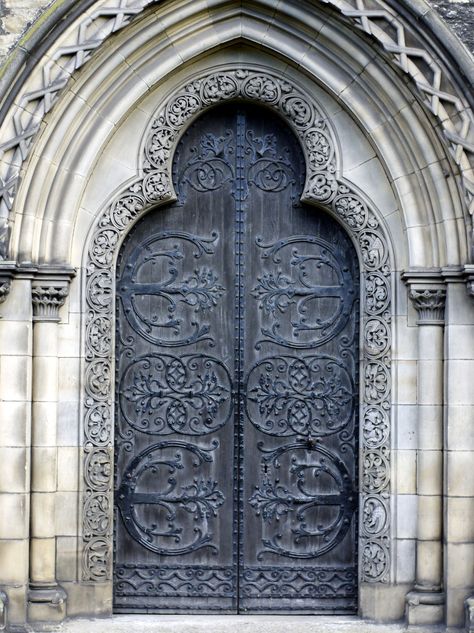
153, 187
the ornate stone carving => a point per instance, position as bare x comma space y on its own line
309, 123
46, 302
429, 303
4, 289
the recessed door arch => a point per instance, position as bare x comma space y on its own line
236, 386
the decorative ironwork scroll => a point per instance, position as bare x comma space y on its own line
171, 293
274, 499
168, 581
277, 291
323, 186
199, 498
309, 396
161, 394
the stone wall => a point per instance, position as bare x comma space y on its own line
16, 17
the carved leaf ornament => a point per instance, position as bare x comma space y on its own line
202, 290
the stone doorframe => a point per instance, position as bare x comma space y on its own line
325, 188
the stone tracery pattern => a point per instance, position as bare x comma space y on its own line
322, 186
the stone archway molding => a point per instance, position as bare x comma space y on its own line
39, 92
153, 187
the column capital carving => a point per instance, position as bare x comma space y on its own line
427, 291
429, 303
49, 289
469, 277
6, 276
47, 300
5, 285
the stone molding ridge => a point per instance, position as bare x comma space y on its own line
424, 596
429, 303
55, 596
424, 606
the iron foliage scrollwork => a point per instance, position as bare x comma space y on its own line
314, 475
309, 396
167, 581
299, 582
314, 274
161, 394
201, 498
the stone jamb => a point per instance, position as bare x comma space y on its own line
153, 187
425, 603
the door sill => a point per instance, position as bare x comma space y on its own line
232, 624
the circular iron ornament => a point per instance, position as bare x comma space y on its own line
271, 502
323, 185
308, 396
187, 394
180, 497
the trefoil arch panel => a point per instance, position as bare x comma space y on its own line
153, 187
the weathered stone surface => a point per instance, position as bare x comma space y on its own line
459, 15
231, 624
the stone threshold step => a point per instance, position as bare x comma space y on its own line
231, 624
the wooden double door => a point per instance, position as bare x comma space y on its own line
236, 386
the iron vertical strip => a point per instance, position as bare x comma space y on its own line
240, 333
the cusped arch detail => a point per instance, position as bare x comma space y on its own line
324, 186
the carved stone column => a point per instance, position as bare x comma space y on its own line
46, 599
425, 603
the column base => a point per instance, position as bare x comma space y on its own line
46, 605
424, 607
469, 607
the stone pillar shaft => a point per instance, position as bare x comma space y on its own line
46, 598
425, 604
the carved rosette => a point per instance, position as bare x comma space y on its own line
46, 302
309, 123
429, 303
